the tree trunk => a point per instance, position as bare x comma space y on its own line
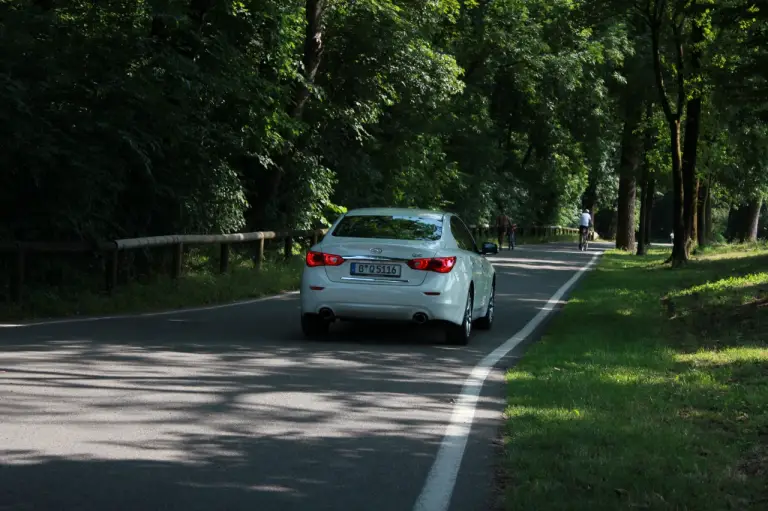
681, 245
648, 185
753, 219
311, 60
743, 221
708, 213
646, 210
625, 221
641, 243
733, 224
701, 215
649, 207
631, 152
691, 141
690, 183
695, 208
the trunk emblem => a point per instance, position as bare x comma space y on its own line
416, 254
376, 251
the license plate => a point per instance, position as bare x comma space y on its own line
375, 269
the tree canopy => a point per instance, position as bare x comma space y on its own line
123, 119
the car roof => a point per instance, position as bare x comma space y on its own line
395, 212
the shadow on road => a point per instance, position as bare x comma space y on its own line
232, 409
121, 422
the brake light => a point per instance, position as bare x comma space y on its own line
436, 264
322, 259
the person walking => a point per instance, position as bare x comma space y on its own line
502, 226
511, 236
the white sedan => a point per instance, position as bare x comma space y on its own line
399, 264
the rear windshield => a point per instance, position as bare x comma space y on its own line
412, 228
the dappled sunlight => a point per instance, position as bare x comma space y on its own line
725, 284
514, 375
726, 356
631, 376
552, 414
272, 425
126, 402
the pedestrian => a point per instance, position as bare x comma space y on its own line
502, 226
511, 236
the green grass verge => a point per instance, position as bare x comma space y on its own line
200, 285
649, 390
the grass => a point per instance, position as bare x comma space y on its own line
200, 284
649, 391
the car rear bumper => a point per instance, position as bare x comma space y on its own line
380, 301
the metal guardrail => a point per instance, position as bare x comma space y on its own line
112, 249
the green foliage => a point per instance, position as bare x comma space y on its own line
129, 119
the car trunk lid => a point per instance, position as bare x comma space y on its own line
372, 261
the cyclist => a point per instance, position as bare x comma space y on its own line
584, 222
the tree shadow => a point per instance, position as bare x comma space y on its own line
231, 408
115, 425
233, 472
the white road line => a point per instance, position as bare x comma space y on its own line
173, 312
438, 489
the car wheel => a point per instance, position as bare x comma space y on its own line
313, 326
459, 334
486, 322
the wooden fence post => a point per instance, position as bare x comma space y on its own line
112, 260
224, 258
178, 256
17, 282
259, 254
288, 247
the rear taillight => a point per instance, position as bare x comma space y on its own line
322, 259
436, 264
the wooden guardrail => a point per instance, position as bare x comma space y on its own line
112, 249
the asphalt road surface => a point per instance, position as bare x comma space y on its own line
230, 409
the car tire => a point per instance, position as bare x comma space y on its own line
313, 326
486, 322
459, 334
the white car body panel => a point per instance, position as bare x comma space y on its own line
396, 298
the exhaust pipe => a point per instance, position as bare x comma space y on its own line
326, 314
420, 318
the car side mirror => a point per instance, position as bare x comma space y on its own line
489, 248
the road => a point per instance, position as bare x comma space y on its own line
230, 409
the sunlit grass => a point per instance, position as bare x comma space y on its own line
649, 390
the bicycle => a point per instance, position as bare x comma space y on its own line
583, 239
